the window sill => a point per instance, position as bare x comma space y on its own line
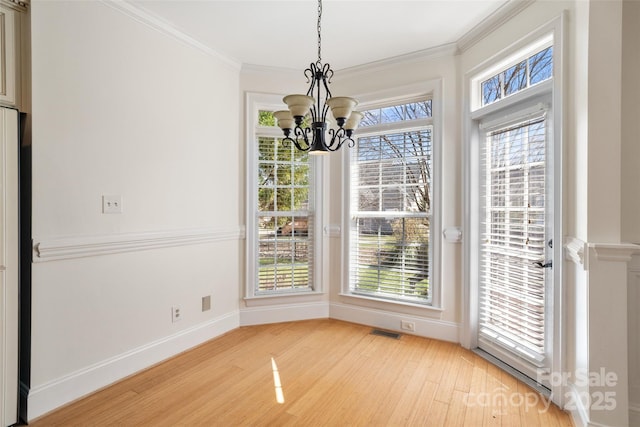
284, 298
391, 301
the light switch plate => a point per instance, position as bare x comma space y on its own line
111, 204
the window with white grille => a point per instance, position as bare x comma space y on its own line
391, 203
283, 219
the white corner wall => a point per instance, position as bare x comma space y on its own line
630, 158
121, 108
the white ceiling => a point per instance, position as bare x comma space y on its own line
283, 33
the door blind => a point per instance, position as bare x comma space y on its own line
512, 236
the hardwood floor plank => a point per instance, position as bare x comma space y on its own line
493, 386
457, 410
449, 358
332, 373
436, 418
510, 415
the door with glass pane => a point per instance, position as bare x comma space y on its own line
515, 243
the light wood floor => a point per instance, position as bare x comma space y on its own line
332, 373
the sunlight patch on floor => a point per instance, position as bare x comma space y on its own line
276, 382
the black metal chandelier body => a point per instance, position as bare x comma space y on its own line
313, 138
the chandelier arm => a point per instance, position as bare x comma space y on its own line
301, 135
309, 73
337, 139
351, 143
328, 74
324, 75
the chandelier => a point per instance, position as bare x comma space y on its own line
313, 138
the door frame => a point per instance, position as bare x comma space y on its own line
471, 170
9, 265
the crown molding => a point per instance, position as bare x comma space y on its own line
145, 17
419, 55
503, 14
477, 33
449, 49
255, 68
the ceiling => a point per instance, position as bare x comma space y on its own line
283, 33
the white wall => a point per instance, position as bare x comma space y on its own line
120, 108
630, 122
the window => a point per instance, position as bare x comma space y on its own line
525, 73
280, 242
391, 204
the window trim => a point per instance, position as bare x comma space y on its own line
411, 93
521, 52
254, 102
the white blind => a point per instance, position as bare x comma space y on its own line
512, 288
284, 218
391, 208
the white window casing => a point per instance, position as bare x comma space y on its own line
391, 243
283, 243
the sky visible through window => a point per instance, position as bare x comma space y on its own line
526, 73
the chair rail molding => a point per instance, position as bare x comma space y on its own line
54, 249
574, 250
614, 252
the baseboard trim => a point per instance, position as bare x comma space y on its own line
54, 249
425, 327
263, 315
49, 396
577, 410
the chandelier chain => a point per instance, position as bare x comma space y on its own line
319, 28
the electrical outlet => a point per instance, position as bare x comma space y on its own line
407, 326
111, 204
176, 314
206, 303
